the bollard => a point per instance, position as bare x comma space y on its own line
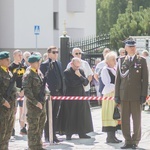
50, 121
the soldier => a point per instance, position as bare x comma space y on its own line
131, 91
36, 112
7, 101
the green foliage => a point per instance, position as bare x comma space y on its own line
130, 24
109, 10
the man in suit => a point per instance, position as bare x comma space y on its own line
131, 91
53, 69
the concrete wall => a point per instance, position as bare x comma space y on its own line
79, 21
18, 18
29, 13
6, 23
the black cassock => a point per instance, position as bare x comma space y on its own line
78, 114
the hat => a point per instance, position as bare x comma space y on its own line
130, 42
34, 58
4, 54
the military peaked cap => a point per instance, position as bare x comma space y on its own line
34, 58
130, 42
4, 54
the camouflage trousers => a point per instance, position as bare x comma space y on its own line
6, 127
35, 130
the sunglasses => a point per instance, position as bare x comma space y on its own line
54, 52
78, 53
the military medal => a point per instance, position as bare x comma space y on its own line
135, 65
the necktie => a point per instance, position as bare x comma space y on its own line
51, 65
130, 59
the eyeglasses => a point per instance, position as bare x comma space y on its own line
78, 53
54, 52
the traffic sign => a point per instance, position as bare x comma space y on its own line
36, 29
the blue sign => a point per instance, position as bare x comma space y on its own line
36, 30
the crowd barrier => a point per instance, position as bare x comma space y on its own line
85, 98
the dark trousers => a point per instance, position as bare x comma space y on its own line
131, 109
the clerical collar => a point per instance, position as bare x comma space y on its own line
34, 70
4, 68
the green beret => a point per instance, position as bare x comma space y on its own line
34, 58
4, 54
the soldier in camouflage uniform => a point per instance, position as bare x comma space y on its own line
36, 112
7, 102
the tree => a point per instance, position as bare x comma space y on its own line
130, 24
108, 11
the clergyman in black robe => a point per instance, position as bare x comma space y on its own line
78, 114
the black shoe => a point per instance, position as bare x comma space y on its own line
23, 131
13, 132
55, 140
112, 140
68, 137
134, 146
118, 140
84, 136
143, 107
46, 140
126, 146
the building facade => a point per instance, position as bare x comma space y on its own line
19, 17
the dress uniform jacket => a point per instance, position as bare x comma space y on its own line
132, 79
131, 91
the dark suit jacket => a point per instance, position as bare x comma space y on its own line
135, 84
52, 78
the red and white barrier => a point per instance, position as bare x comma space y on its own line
85, 98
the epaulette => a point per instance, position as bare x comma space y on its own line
142, 57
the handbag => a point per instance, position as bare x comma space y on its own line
116, 114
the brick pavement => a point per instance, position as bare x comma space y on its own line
97, 142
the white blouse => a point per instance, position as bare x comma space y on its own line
109, 87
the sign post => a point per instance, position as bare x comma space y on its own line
36, 32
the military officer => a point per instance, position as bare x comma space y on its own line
7, 101
36, 112
131, 91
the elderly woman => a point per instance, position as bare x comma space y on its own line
108, 74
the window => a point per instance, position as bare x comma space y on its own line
55, 21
